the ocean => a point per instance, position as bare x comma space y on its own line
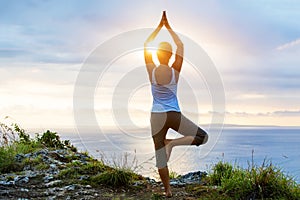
242, 146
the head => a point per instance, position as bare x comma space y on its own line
164, 52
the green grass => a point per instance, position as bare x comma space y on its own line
98, 173
115, 178
8, 153
173, 174
14, 140
42, 166
259, 182
7, 159
75, 170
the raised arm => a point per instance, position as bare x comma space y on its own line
179, 51
147, 54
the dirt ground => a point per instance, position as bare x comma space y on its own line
35, 191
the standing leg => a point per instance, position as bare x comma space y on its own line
159, 131
165, 178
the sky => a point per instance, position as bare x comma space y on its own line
254, 45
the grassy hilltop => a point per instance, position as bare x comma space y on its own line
47, 167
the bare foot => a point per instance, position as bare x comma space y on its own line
168, 194
168, 146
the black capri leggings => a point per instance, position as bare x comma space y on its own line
161, 122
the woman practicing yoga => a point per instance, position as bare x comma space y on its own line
165, 112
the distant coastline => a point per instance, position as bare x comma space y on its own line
92, 130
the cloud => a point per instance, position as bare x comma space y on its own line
280, 113
287, 113
47, 33
288, 45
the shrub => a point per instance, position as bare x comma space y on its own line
238, 184
7, 160
94, 167
220, 171
51, 140
270, 182
23, 137
173, 175
115, 178
262, 182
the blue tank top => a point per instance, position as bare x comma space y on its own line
164, 96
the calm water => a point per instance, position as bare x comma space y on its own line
236, 145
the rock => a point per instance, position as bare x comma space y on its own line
53, 166
41, 152
17, 178
48, 178
19, 157
177, 183
27, 167
7, 183
88, 187
30, 174
21, 179
137, 183
59, 155
84, 177
190, 178
61, 194
68, 198
24, 190
69, 187
151, 180
52, 183
193, 176
84, 192
51, 198
52, 191
28, 155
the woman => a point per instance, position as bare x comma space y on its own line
165, 112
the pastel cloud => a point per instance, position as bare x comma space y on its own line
289, 45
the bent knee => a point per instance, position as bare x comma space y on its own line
201, 139
205, 138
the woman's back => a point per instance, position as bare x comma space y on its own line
164, 91
163, 75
